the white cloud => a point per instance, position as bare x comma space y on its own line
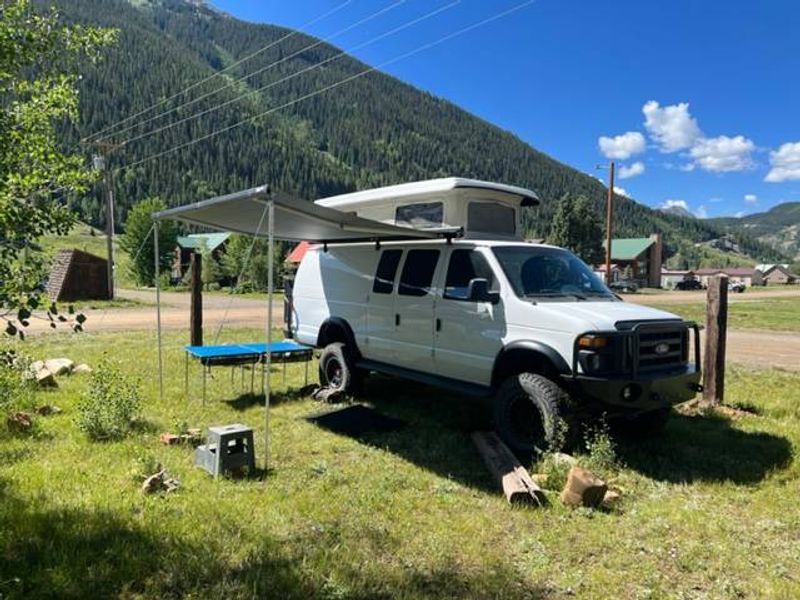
723, 154
675, 204
784, 163
683, 206
626, 171
738, 215
622, 146
621, 191
672, 127
751, 199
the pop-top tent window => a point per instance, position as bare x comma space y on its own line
422, 214
491, 217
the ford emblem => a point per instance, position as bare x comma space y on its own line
662, 349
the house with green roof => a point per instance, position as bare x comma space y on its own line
637, 259
196, 243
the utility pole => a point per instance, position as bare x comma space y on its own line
609, 216
101, 164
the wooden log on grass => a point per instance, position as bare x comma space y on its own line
517, 484
583, 488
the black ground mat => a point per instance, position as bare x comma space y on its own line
356, 420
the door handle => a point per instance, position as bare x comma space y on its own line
397, 319
438, 324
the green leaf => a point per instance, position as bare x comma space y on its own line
80, 318
10, 329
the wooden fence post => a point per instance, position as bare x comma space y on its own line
196, 306
715, 334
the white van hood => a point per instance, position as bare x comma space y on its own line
603, 316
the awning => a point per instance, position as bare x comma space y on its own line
295, 220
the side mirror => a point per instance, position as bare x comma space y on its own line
478, 291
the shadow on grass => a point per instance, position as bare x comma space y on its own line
76, 553
247, 400
437, 434
707, 448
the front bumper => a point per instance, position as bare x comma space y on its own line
656, 391
633, 384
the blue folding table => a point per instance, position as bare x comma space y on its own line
246, 354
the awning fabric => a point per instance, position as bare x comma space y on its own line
295, 220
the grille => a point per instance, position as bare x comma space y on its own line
663, 349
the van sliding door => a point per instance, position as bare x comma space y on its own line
380, 344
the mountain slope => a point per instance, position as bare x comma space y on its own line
372, 131
778, 227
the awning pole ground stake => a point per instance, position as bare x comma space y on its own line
517, 484
158, 311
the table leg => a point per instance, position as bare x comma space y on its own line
186, 378
252, 377
308, 360
261, 365
284, 371
204, 384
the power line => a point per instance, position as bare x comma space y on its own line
253, 74
297, 74
219, 73
335, 85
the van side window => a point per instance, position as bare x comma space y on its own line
418, 272
464, 266
387, 269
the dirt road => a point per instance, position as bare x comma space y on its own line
234, 311
748, 347
676, 297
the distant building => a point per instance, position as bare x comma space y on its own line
637, 259
779, 275
671, 277
196, 242
746, 275
78, 275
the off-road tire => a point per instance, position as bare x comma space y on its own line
337, 370
527, 411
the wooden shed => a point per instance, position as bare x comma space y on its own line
78, 275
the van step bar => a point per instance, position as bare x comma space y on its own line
454, 385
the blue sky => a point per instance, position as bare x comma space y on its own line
698, 102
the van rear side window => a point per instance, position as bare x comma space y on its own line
418, 272
387, 269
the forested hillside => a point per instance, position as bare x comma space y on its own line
372, 131
779, 227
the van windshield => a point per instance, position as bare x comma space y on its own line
550, 274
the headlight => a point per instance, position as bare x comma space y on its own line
592, 341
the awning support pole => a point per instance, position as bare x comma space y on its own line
270, 261
158, 310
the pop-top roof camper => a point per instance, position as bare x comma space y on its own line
482, 209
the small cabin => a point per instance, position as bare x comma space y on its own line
482, 209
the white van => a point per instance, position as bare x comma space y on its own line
488, 314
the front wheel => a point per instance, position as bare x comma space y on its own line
532, 414
337, 370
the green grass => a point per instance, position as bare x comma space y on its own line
709, 508
779, 314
